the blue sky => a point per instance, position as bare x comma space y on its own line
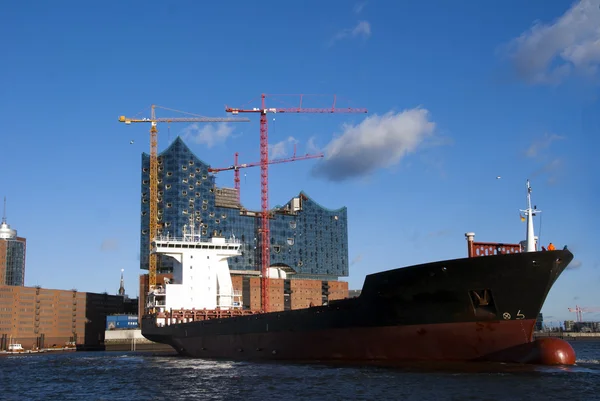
457, 92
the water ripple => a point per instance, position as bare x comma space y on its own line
132, 376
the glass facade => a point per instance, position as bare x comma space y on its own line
306, 238
15, 262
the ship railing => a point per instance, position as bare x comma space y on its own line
196, 239
493, 248
192, 315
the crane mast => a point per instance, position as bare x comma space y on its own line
153, 215
264, 173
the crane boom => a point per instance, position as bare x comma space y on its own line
153, 215
264, 172
579, 311
127, 120
274, 161
236, 167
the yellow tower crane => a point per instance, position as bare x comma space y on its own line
153, 120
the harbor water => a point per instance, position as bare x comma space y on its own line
165, 376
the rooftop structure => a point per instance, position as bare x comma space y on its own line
12, 254
307, 240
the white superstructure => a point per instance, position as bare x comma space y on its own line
201, 277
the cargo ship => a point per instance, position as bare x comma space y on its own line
479, 308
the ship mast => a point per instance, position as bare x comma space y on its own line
530, 212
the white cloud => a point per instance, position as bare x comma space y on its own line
358, 7
362, 29
377, 142
109, 244
547, 53
357, 259
281, 149
541, 144
549, 164
311, 146
576, 264
208, 134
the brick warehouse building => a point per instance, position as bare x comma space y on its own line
39, 317
308, 241
36, 317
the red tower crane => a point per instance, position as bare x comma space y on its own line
579, 311
264, 173
236, 167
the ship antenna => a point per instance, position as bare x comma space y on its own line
529, 212
4, 212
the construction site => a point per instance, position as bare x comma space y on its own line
292, 256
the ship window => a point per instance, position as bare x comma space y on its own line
169, 205
184, 211
197, 194
191, 162
184, 167
169, 173
217, 221
204, 176
211, 214
204, 201
191, 187
203, 232
145, 182
168, 186
184, 193
277, 248
160, 180
143, 213
223, 216
197, 170
184, 180
204, 207
161, 168
212, 190
145, 169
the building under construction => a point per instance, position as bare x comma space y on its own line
308, 242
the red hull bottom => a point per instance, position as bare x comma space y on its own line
501, 341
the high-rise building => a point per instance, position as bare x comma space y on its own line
307, 241
12, 254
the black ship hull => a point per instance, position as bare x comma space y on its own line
480, 308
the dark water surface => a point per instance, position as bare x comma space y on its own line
147, 376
